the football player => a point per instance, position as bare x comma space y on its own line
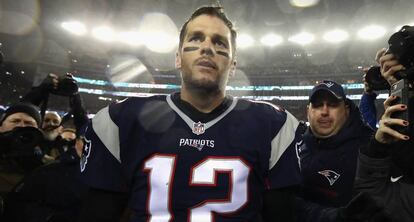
196, 155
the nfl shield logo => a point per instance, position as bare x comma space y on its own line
198, 128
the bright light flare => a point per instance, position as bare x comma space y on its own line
131, 38
336, 36
159, 32
244, 41
303, 38
104, 33
371, 32
271, 40
303, 3
74, 27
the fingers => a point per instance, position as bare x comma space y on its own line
385, 131
389, 101
55, 80
389, 75
392, 109
379, 54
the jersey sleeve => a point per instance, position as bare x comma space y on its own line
284, 165
100, 161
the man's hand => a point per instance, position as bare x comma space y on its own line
389, 65
367, 88
385, 134
51, 82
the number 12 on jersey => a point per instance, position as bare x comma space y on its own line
161, 168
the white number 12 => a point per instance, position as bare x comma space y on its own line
161, 177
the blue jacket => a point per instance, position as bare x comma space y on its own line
368, 109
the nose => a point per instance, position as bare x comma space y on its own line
207, 48
325, 110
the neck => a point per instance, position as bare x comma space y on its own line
203, 102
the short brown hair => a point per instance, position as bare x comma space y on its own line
213, 11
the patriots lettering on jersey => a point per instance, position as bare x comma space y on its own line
330, 175
197, 143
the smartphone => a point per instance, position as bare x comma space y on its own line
401, 89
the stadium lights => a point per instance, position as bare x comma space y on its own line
303, 38
336, 36
271, 40
303, 3
159, 32
244, 41
74, 27
371, 32
130, 38
103, 33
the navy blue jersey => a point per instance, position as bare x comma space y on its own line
178, 169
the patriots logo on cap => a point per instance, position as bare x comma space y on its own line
198, 128
328, 84
330, 175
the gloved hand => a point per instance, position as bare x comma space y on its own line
364, 208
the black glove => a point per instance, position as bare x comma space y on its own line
364, 208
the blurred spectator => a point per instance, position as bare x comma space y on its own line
328, 156
53, 192
18, 139
64, 86
385, 166
51, 125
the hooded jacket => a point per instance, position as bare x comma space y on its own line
329, 165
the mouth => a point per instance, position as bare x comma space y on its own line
324, 122
206, 64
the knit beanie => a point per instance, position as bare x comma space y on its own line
26, 108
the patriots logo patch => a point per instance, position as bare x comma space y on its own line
330, 175
85, 153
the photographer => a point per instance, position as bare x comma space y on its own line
385, 166
64, 86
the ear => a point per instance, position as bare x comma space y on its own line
177, 60
232, 72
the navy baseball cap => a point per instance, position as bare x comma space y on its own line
330, 86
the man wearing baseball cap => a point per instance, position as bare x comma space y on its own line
329, 153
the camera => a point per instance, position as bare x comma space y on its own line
401, 45
67, 86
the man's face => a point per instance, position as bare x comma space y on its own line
51, 126
17, 120
327, 115
51, 121
206, 58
